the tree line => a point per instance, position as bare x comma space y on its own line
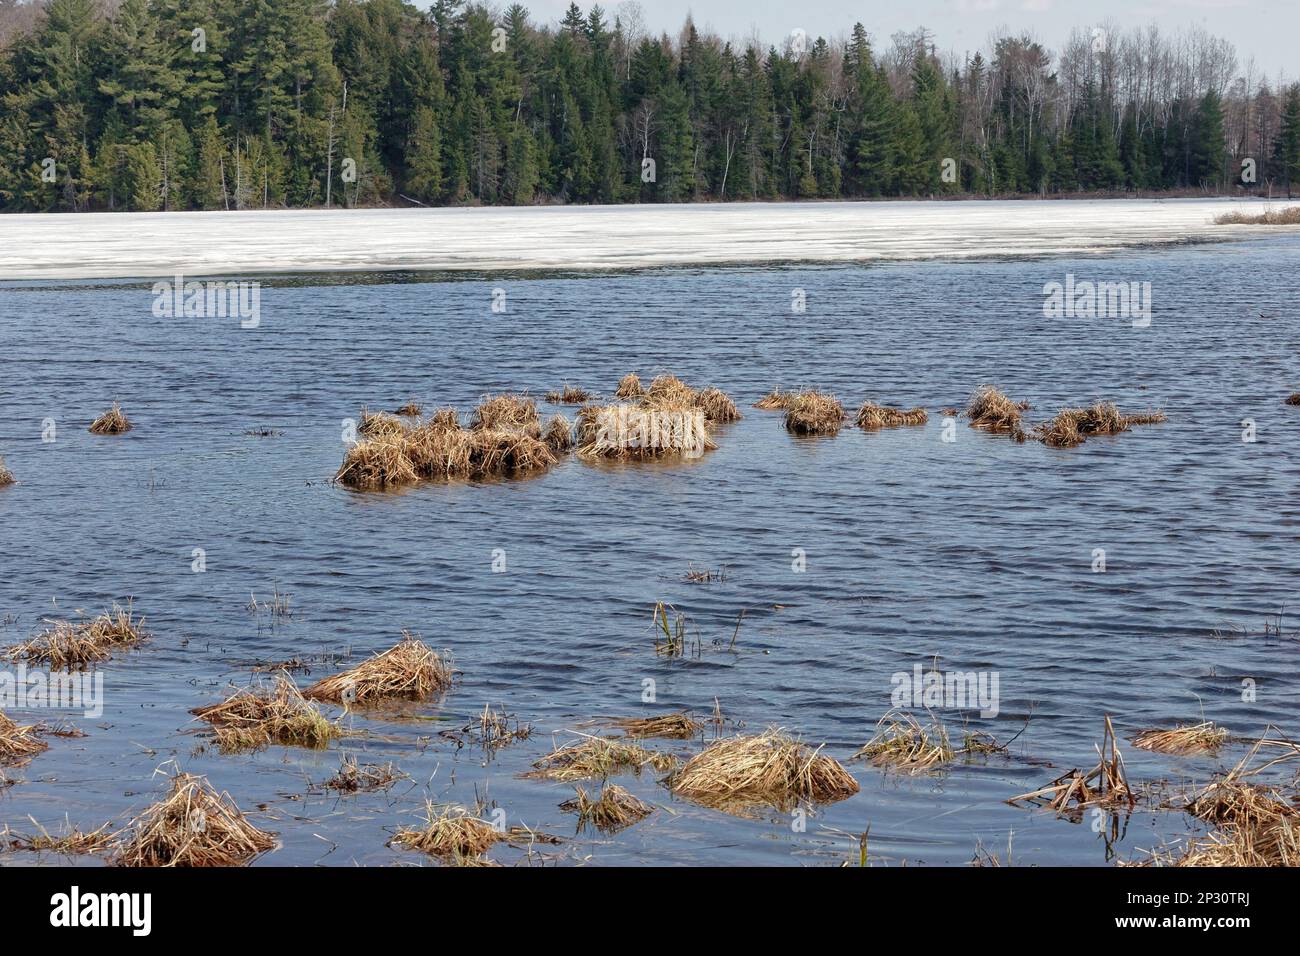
237, 104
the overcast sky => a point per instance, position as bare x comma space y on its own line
1269, 30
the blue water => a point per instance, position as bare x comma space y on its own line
975, 554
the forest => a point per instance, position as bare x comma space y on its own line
150, 105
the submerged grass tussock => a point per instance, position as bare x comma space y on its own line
814, 413
363, 778
69, 841
376, 465
69, 645
872, 417
675, 726
18, 744
194, 826
1071, 426
902, 743
991, 410
112, 422
254, 718
1288, 216
776, 400
450, 832
1106, 785
410, 669
614, 810
569, 395
6, 476
629, 386
597, 758
1202, 738
717, 405
770, 768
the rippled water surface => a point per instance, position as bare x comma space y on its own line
975, 554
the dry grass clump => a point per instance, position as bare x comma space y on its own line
629, 433
195, 826
717, 405
444, 419
615, 809
68, 645
776, 400
902, 743
1289, 216
409, 669
770, 768
991, 410
6, 476
1071, 426
497, 453
412, 409
363, 778
450, 832
380, 425
598, 758
69, 841
558, 434
1202, 738
670, 390
873, 417
814, 413
569, 395
629, 386
506, 412
112, 422
256, 717
1104, 786
676, 726
377, 464
18, 744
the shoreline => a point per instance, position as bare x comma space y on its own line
597, 238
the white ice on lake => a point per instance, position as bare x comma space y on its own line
155, 245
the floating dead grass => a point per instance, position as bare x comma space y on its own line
1072, 426
676, 726
507, 412
409, 670
450, 832
631, 433
6, 476
903, 743
412, 409
629, 386
614, 810
776, 400
194, 826
872, 417
1202, 738
991, 410
596, 758
1288, 216
569, 395
814, 413
112, 422
766, 769
558, 434
69, 841
1106, 785
353, 777
253, 718
71, 645
18, 744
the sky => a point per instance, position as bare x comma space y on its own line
1268, 30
